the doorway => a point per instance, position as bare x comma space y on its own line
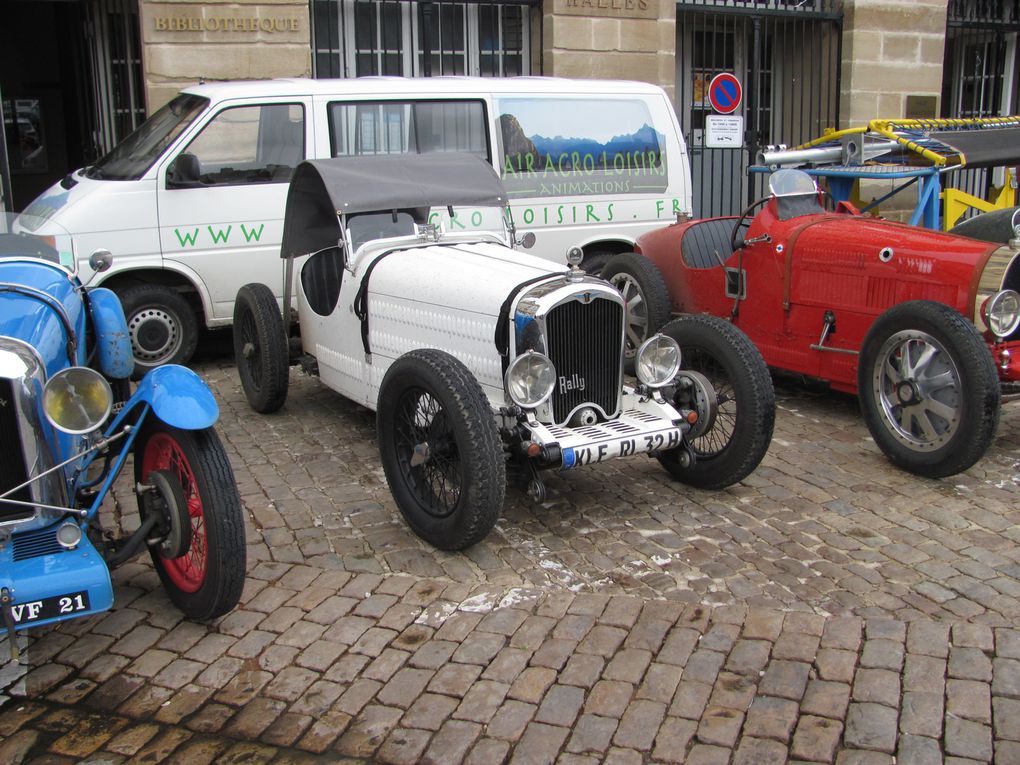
787, 58
71, 87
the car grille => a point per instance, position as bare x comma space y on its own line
1012, 282
36, 544
12, 467
584, 344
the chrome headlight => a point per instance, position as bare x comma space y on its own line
657, 361
530, 379
1001, 313
77, 400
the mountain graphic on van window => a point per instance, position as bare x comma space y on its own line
644, 139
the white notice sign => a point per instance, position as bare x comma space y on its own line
724, 131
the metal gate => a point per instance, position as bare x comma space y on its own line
422, 38
786, 54
110, 87
980, 77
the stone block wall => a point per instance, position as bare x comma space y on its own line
892, 49
611, 39
185, 41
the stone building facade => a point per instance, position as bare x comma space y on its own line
806, 65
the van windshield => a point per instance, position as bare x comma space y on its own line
132, 157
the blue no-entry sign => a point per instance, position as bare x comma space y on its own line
724, 93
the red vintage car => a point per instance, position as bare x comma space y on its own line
922, 325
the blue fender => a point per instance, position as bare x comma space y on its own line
178, 397
113, 343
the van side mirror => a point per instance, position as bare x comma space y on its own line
184, 172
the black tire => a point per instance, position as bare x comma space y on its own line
261, 349
206, 582
595, 261
432, 409
162, 326
742, 431
956, 391
645, 296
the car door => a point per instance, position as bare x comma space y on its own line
220, 200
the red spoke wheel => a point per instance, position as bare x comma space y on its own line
206, 580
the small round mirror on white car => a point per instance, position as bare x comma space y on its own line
100, 261
528, 240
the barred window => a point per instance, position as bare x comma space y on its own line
354, 38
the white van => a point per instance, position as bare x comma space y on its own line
191, 204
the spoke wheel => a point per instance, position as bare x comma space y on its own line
440, 449
427, 451
636, 310
204, 581
646, 300
928, 387
713, 442
918, 386
746, 407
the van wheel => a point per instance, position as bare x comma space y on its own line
162, 326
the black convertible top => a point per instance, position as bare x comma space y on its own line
321, 189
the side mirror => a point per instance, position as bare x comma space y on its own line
528, 240
100, 261
184, 172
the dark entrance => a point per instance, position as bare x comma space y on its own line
786, 54
71, 83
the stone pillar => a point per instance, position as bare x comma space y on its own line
611, 39
893, 53
184, 41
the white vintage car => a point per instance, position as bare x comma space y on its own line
413, 302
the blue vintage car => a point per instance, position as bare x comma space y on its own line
68, 424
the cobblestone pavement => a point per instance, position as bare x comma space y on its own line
828, 609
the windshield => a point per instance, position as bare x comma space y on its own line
133, 156
437, 224
25, 236
485, 221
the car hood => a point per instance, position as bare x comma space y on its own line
475, 277
35, 299
865, 243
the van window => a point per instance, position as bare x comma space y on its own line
566, 146
251, 144
132, 157
407, 127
